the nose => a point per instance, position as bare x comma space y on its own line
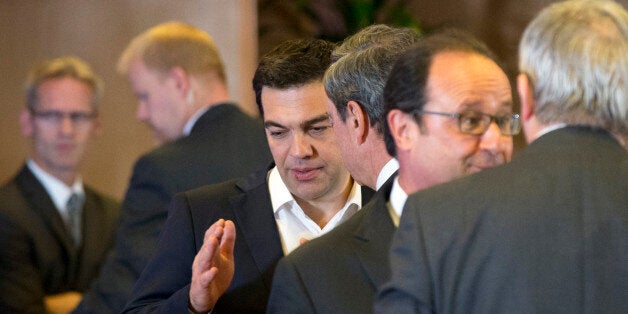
301, 148
492, 140
67, 126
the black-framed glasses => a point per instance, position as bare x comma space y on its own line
78, 118
476, 123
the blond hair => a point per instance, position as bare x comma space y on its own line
174, 44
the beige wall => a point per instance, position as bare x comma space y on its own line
98, 31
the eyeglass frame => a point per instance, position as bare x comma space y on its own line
78, 118
514, 119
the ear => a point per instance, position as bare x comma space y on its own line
357, 121
526, 97
97, 125
181, 80
403, 129
26, 123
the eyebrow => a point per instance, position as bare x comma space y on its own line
304, 125
471, 105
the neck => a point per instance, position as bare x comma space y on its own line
65, 175
375, 158
322, 210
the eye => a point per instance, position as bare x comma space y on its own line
471, 121
318, 130
276, 133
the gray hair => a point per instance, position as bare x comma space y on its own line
361, 68
72, 67
575, 54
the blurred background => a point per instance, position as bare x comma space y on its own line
98, 31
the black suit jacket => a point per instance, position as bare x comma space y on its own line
224, 143
338, 272
546, 233
165, 284
37, 254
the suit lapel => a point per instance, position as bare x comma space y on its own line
254, 214
373, 234
36, 195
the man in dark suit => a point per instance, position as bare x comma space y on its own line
304, 194
547, 233
54, 230
340, 272
355, 85
178, 77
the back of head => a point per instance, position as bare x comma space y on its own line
362, 65
406, 88
575, 54
71, 67
292, 63
171, 45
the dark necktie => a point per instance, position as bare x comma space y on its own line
75, 208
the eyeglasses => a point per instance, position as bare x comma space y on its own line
54, 117
476, 123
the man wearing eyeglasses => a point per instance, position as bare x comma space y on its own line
448, 113
548, 232
54, 230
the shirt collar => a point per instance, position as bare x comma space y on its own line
280, 195
388, 170
58, 191
397, 200
187, 128
550, 129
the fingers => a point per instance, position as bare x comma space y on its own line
228, 239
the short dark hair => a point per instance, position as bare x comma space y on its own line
362, 64
405, 89
292, 63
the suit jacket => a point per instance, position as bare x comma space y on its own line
546, 233
37, 253
224, 143
338, 272
164, 286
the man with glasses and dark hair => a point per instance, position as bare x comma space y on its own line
448, 113
54, 230
548, 232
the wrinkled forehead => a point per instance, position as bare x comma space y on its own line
461, 81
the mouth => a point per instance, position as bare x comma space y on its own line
305, 174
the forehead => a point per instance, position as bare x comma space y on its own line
463, 80
64, 93
140, 75
294, 105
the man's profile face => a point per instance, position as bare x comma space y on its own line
61, 125
302, 142
159, 104
460, 82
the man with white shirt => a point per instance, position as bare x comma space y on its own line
306, 193
547, 232
433, 89
54, 230
178, 77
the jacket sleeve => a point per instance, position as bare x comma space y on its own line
164, 285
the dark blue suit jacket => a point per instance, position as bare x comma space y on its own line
164, 286
546, 233
224, 143
338, 272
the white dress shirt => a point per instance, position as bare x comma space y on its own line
396, 201
293, 223
389, 168
58, 191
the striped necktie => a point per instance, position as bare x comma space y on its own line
75, 209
